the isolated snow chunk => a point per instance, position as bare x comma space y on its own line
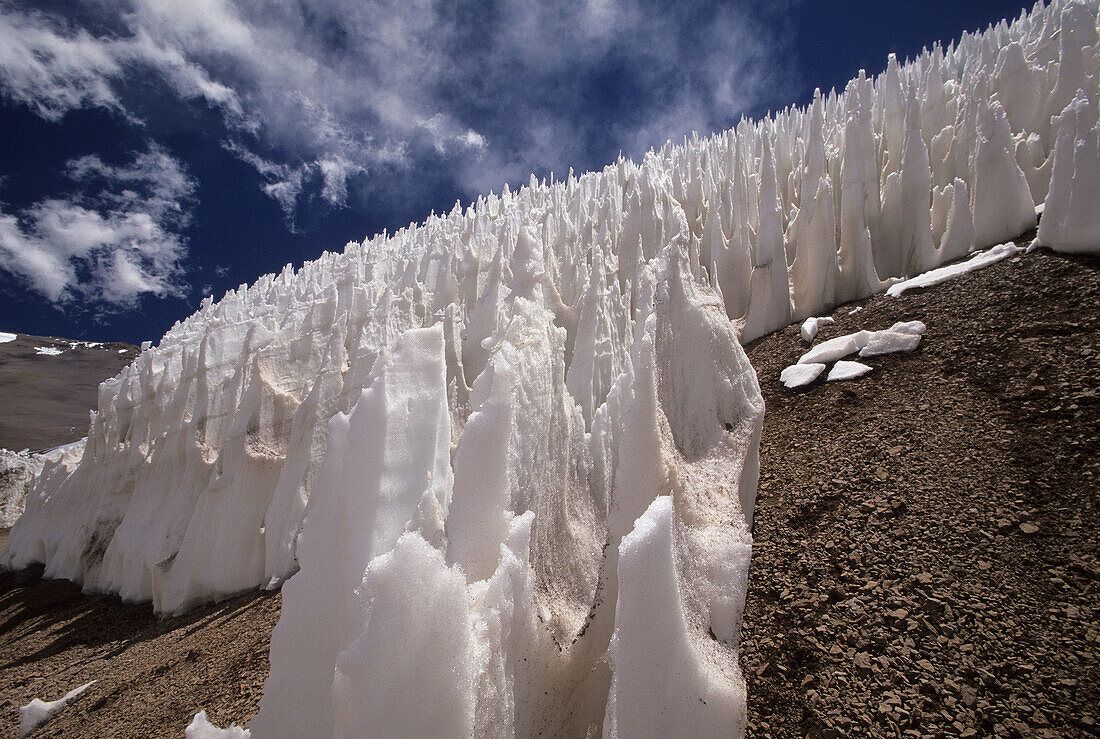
1071, 218
661, 685
902, 336
201, 728
38, 712
906, 327
811, 325
391, 448
836, 348
797, 375
942, 274
888, 342
6, 337
843, 370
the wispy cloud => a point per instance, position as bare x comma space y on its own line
319, 96
114, 240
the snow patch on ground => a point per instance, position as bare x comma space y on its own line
5, 337
48, 351
38, 712
943, 274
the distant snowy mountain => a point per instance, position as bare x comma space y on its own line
513, 449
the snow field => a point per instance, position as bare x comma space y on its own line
468, 438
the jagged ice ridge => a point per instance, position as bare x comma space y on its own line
512, 452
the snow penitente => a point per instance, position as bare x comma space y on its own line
520, 407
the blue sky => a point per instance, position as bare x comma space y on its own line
155, 151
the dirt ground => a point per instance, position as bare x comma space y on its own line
925, 563
153, 674
44, 400
925, 559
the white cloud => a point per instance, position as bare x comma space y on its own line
109, 244
321, 94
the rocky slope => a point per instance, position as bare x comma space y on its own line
48, 385
925, 558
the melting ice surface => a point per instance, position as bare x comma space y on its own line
511, 452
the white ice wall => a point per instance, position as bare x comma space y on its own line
566, 358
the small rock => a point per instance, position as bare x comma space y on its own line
1029, 528
863, 660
